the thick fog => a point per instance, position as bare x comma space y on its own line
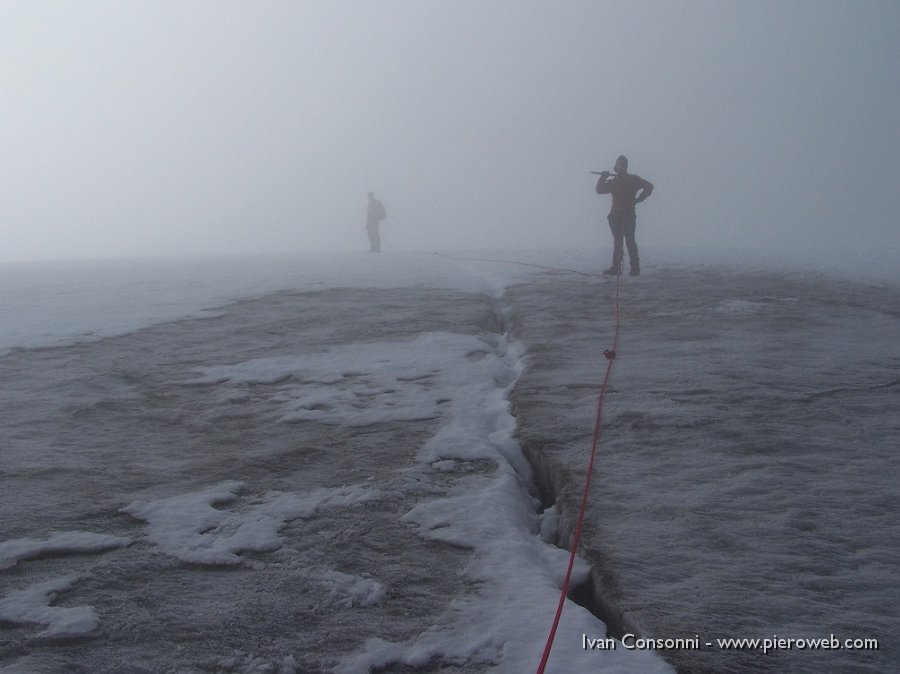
171, 128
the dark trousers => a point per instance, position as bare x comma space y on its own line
622, 224
374, 238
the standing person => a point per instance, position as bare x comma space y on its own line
375, 213
624, 187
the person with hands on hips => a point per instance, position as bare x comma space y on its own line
627, 190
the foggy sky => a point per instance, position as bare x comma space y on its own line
135, 128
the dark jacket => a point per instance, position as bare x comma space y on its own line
624, 189
375, 213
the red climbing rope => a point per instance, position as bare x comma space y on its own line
610, 358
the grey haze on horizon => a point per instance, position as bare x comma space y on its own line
145, 128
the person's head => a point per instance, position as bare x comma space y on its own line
621, 166
371, 195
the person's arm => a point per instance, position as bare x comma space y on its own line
646, 191
603, 183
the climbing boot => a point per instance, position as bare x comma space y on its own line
613, 271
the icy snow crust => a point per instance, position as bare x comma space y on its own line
310, 481
747, 482
330, 478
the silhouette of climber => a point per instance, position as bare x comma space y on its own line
375, 213
624, 188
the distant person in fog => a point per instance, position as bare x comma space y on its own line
624, 188
375, 213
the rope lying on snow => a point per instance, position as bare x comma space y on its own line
610, 358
